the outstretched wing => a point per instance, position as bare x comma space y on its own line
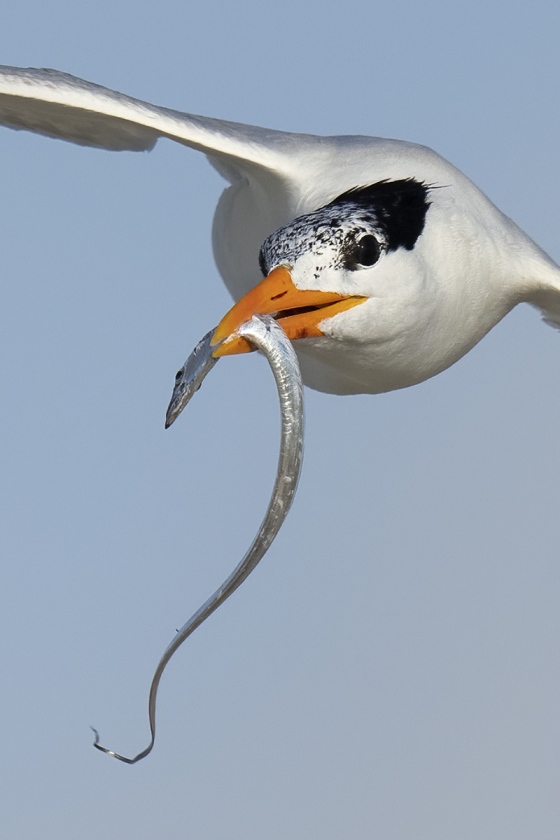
63, 106
266, 168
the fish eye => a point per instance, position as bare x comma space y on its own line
367, 250
178, 375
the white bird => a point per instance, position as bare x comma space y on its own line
382, 260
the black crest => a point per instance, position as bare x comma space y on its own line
399, 206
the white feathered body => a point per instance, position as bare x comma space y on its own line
426, 307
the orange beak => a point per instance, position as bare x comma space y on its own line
299, 312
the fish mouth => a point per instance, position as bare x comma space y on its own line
298, 311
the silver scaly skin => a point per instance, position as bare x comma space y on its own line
271, 340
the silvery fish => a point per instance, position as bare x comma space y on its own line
268, 337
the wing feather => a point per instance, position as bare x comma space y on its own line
269, 170
59, 105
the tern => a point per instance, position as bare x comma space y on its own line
382, 261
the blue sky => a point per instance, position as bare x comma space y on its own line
391, 669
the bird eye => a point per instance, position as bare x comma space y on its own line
367, 250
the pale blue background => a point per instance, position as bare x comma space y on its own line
391, 670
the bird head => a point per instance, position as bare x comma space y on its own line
329, 261
388, 284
